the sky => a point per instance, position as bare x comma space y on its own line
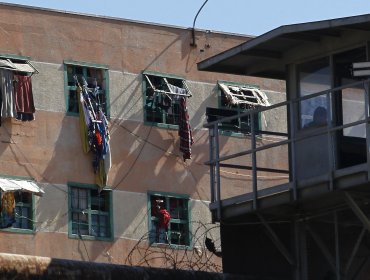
232, 16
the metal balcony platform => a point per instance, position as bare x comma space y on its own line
279, 199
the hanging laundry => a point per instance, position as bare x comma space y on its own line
7, 94
82, 120
101, 175
25, 117
178, 90
107, 161
94, 132
23, 94
7, 209
16, 98
185, 133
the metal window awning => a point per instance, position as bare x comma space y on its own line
171, 89
244, 95
26, 67
10, 185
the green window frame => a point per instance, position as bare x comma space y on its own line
24, 213
14, 57
160, 107
179, 229
94, 75
90, 212
24, 209
240, 125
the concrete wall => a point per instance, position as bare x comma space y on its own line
28, 267
130, 224
52, 37
144, 158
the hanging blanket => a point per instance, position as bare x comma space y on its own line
186, 137
23, 94
83, 120
94, 134
7, 210
7, 94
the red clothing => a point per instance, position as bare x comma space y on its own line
23, 94
164, 218
99, 139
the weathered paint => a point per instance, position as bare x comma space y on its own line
53, 37
144, 158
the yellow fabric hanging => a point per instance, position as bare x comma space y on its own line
8, 203
100, 176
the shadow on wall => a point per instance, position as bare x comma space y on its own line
134, 88
67, 163
15, 139
5, 145
151, 151
67, 159
150, 159
129, 100
143, 149
140, 149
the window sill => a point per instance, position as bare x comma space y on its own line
72, 114
90, 237
162, 125
18, 230
232, 134
172, 246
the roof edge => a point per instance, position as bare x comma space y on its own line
120, 19
281, 30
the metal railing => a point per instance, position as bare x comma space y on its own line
216, 161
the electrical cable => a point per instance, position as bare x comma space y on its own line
194, 162
193, 43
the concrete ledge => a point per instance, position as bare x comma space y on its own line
31, 267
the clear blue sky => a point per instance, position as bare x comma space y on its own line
235, 16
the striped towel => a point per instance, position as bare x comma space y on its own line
186, 137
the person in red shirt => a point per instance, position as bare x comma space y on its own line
164, 218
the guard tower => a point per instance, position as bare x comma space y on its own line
315, 224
